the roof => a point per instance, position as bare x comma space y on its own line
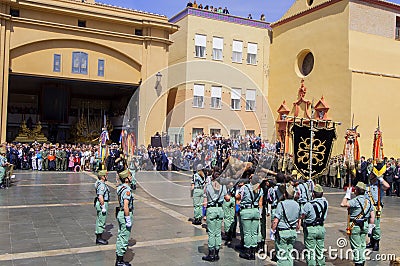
312, 9
221, 17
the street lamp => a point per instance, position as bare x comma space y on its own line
158, 87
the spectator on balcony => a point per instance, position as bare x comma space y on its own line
206, 7
200, 6
212, 8
195, 4
189, 4
262, 18
219, 10
225, 11
249, 16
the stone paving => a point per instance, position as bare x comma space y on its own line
48, 219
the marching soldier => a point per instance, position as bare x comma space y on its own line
197, 188
314, 214
375, 192
215, 195
124, 216
44, 154
304, 192
3, 165
360, 211
101, 204
284, 227
250, 200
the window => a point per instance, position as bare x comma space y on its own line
139, 32
235, 133
252, 54
237, 49
197, 132
397, 28
200, 45
57, 63
82, 23
198, 96
100, 68
216, 95
218, 44
250, 133
235, 98
250, 100
14, 12
215, 132
79, 63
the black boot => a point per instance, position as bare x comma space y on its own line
261, 247
210, 256
376, 246
371, 243
253, 253
216, 257
197, 221
245, 254
100, 241
120, 262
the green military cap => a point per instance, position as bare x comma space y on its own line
123, 174
318, 189
361, 185
290, 190
102, 173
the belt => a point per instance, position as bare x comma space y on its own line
286, 229
314, 225
274, 208
214, 205
198, 188
106, 201
122, 209
247, 207
363, 220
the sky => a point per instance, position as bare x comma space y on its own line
273, 9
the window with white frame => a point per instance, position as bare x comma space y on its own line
216, 95
252, 53
250, 100
235, 98
57, 63
80, 63
234, 133
198, 96
200, 45
237, 51
100, 68
218, 44
197, 132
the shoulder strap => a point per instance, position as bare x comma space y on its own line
319, 214
120, 194
362, 213
286, 219
219, 195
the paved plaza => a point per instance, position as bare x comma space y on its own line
48, 218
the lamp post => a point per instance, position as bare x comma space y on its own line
158, 87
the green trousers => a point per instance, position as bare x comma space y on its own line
357, 242
314, 242
101, 218
198, 196
214, 224
285, 246
58, 164
2, 174
229, 215
45, 165
376, 232
250, 219
123, 234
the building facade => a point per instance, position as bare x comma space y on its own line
348, 52
73, 64
220, 65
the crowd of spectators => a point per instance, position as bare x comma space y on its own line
219, 10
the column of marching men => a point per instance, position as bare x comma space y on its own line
291, 203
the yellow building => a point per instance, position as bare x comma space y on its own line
65, 62
347, 51
218, 77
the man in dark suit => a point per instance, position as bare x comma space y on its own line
362, 172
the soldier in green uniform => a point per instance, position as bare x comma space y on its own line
377, 182
215, 194
284, 227
228, 206
360, 211
197, 187
58, 159
101, 205
314, 214
124, 216
44, 154
63, 155
250, 198
133, 168
3, 165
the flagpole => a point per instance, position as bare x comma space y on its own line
311, 139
